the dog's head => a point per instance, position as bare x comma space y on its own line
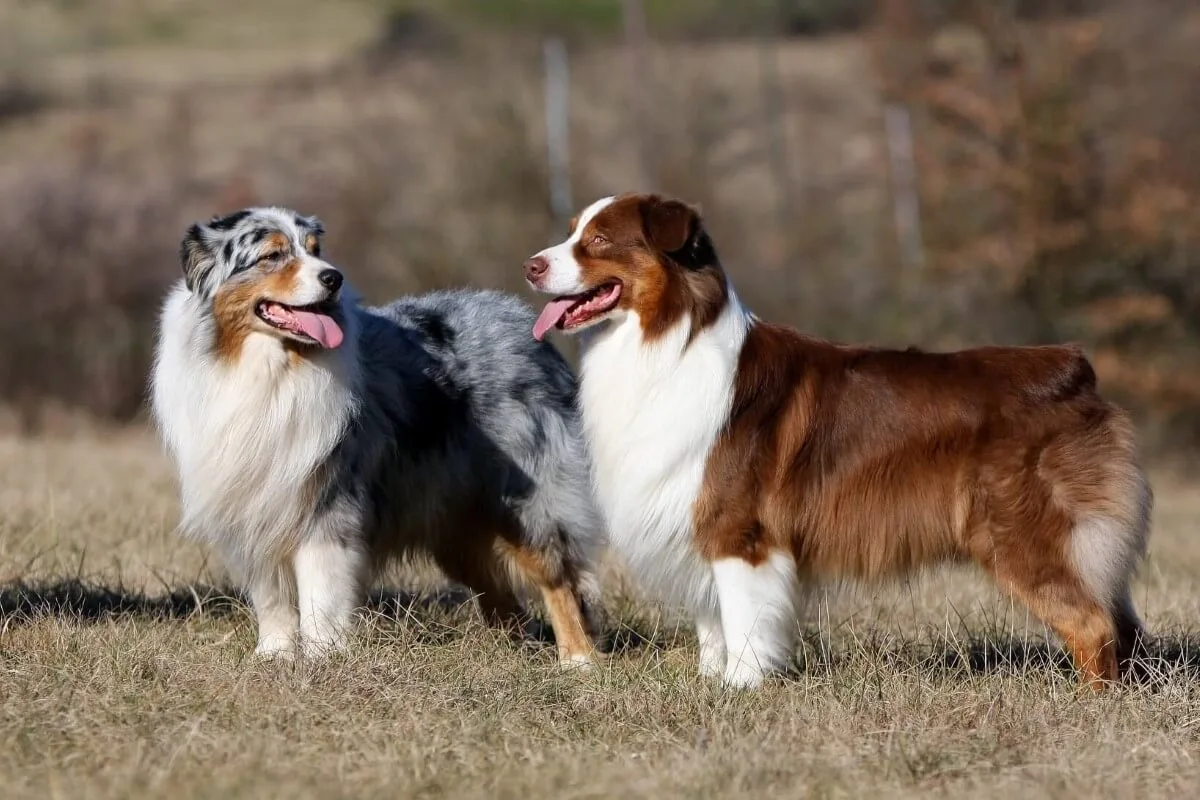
640, 254
261, 271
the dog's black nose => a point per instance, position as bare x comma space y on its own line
331, 279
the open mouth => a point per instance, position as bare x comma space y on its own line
313, 324
572, 311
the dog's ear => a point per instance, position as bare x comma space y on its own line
198, 251
314, 224
312, 230
676, 229
196, 255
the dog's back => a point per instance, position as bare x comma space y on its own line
958, 451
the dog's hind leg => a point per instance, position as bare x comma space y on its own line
565, 603
273, 597
330, 579
1105, 551
1035, 569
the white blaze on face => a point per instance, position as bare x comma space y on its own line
288, 305
307, 288
564, 275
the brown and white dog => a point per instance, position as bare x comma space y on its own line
738, 460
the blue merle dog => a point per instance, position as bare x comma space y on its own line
316, 439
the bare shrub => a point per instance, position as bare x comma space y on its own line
84, 271
1058, 174
1047, 195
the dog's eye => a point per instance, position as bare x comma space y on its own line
271, 258
597, 240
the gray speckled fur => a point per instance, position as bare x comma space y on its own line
460, 417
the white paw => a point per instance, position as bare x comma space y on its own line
712, 646
712, 662
275, 650
316, 649
743, 674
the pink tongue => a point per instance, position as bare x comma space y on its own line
551, 314
319, 326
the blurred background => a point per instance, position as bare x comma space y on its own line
932, 172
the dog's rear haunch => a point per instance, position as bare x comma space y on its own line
778, 459
315, 439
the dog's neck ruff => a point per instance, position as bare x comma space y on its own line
652, 411
247, 435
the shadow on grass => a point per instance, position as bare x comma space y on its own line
1161, 658
439, 613
22, 603
81, 600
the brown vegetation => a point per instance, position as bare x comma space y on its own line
1056, 174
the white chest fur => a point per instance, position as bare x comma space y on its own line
652, 412
245, 436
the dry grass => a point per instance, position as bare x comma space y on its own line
123, 660
121, 675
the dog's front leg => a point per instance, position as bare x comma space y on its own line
329, 582
712, 643
273, 596
758, 616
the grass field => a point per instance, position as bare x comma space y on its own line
123, 673
124, 661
